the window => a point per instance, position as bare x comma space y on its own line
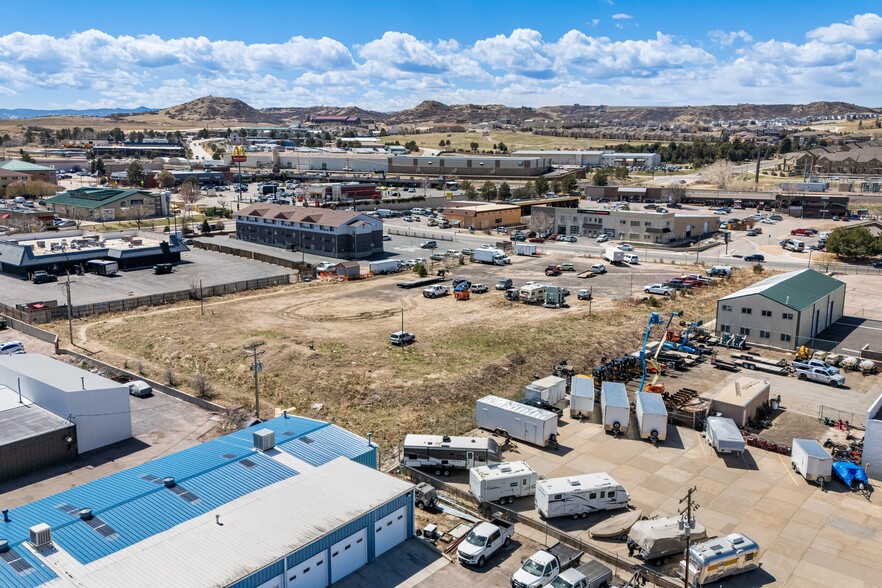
746, 310
785, 337
592, 496
727, 308
787, 315
724, 328
744, 331
767, 313
765, 334
635, 223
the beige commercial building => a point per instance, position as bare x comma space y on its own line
484, 216
741, 399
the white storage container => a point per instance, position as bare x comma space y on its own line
723, 435
652, 416
519, 421
615, 407
811, 460
551, 389
581, 396
503, 482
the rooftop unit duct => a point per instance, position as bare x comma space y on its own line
41, 535
264, 439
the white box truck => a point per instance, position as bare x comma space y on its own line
581, 396
652, 416
551, 389
615, 407
579, 496
503, 482
811, 461
524, 249
519, 421
491, 256
388, 266
613, 255
723, 435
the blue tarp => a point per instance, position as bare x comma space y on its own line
850, 473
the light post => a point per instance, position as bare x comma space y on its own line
810, 257
239, 156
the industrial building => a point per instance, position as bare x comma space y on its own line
603, 158
315, 159
484, 216
97, 407
36, 172
464, 166
21, 255
332, 233
787, 310
107, 204
291, 502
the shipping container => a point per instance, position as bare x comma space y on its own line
519, 421
652, 416
615, 407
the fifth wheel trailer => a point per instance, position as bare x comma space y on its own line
615, 407
652, 416
519, 421
811, 460
442, 453
503, 482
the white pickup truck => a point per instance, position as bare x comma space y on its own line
544, 566
483, 541
813, 363
592, 574
436, 291
824, 375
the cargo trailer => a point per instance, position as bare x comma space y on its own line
551, 389
388, 266
615, 407
581, 396
442, 453
715, 559
579, 496
503, 482
811, 461
516, 420
524, 249
723, 435
102, 267
652, 416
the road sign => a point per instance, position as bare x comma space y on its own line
239, 155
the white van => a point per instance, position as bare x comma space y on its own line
794, 245
631, 258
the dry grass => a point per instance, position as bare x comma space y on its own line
328, 345
514, 141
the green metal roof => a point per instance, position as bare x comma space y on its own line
796, 290
23, 166
93, 197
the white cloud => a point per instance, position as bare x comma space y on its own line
595, 22
727, 38
622, 16
811, 54
522, 52
863, 28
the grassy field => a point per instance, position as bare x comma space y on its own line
514, 141
326, 344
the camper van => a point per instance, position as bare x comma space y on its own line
532, 294
441, 453
794, 245
720, 558
579, 496
503, 482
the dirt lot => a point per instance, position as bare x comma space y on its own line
327, 344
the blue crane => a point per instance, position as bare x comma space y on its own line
654, 319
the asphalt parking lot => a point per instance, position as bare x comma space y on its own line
849, 334
212, 268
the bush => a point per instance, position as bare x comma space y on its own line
758, 268
201, 385
652, 302
421, 270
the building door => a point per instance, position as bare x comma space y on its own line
817, 322
348, 555
531, 431
390, 531
470, 459
313, 573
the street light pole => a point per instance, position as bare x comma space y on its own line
810, 257
256, 367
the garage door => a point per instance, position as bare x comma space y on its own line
390, 531
313, 573
348, 555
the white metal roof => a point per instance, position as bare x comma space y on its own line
503, 470
580, 482
548, 382
254, 531
511, 405
453, 442
742, 391
57, 374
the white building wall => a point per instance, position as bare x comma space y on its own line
776, 324
821, 314
872, 456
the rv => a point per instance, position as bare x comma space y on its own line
579, 496
720, 558
442, 453
532, 294
503, 482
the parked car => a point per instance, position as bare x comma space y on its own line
461, 282
543, 404
43, 277
518, 237
602, 239
598, 268
584, 294
479, 288
325, 266
676, 283
140, 388
552, 270
776, 217
387, 237
536, 240
877, 264
660, 289
429, 245
436, 291
11, 347
755, 257
566, 267
504, 284
402, 338
163, 268
625, 247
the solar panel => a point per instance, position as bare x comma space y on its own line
16, 562
151, 478
185, 494
103, 529
247, 463
288, 433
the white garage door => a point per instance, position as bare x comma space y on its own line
313, 573
348, 555
390, 531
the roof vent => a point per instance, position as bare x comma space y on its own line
41, 535
85, 513
446, 438
573, 482
505, 468
169, 482
4, 545
264, 439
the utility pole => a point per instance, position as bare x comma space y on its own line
69, 308
759, 156
688, 521
256, 367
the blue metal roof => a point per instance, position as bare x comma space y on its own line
135, 504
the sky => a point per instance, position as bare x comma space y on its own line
390, 55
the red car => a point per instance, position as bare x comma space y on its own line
804, 232
536, 240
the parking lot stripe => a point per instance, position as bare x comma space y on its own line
786, 469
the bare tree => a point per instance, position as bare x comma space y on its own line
677, 193
720, 174
138, 213
202, 385
190, 194
542, 219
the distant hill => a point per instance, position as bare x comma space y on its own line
210, 108
302, 114
431, 111
7, 113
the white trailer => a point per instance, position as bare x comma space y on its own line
811, 460
720, 558
516, 420
524, 249
723, 435
442, 453
652, 416
551, 389
389, 266
503, 482
532, 294
614, 255
581, 396
615, 407
579, 496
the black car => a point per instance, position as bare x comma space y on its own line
543, 404
877, 264
43, 277
755, 257
461, 282
163, 268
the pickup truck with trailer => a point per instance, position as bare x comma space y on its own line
544, 566
592, 574
827, 375
483, 541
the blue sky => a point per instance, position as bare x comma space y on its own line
389, 55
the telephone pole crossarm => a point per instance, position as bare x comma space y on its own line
256, 367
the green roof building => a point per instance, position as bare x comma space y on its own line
107, 204
37, 172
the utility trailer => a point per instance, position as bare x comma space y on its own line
581, 396
750, 362
551, 389
723, 435
518, 421
503, 482
720, 558
652, 416
102, 267
615, 407
809, 459
442, 453
722, 364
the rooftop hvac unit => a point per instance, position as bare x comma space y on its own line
41, 244
41, 535
264, 439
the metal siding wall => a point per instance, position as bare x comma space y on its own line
31, 455
261, 576
102, 416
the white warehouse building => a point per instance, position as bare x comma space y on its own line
787, 310
594, 158
99, 407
